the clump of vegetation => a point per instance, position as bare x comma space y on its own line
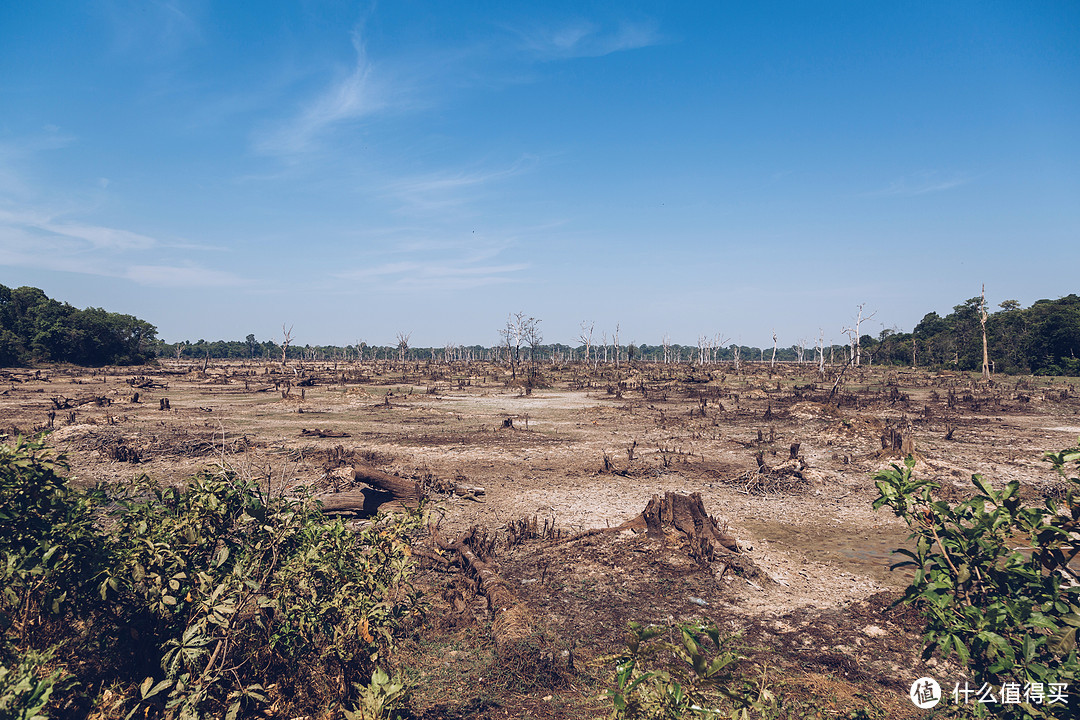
994, 582
215, 599
36, 328
690, 671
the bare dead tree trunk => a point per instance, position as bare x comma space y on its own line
821, 351
403, 347
773, 362
285, 342
586, 339
616, 340
982, 321
854, 335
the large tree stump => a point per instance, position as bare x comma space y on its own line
684, 515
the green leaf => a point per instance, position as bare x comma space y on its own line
984, 487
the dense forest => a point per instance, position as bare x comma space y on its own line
1043, 339
35, 328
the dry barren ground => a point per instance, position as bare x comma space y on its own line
569, 451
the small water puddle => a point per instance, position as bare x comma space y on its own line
860, 553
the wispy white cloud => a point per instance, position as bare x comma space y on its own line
433, 263
921, 184
98, 237
35, 240
182, 276
443, 190
358, 94
434, 275
587, 39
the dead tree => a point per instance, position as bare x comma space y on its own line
586, 338
854, 335
821, 352
772, 363
532, 335
616, 341
285, 342
982, 321
511, 340
403, 347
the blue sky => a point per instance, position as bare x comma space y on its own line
356, 169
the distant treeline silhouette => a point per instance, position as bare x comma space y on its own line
34, 328
1043, 339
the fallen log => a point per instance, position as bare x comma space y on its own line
63, 403
323, 433
511, 619
409, 493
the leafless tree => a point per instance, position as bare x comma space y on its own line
403, 346
821, 351
772, 363
616, 340
718, 343
286, 341
586, 337
530, 332
666, 342
982, 321
603, 337
853, 334
518, 328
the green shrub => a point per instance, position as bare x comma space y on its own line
993, 580
683, 672
210, 599
51, 554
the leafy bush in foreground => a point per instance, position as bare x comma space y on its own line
697, 679
211, 599
992, 577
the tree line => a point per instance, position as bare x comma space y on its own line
1043, 339
35, 328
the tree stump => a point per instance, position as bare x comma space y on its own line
684, 515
